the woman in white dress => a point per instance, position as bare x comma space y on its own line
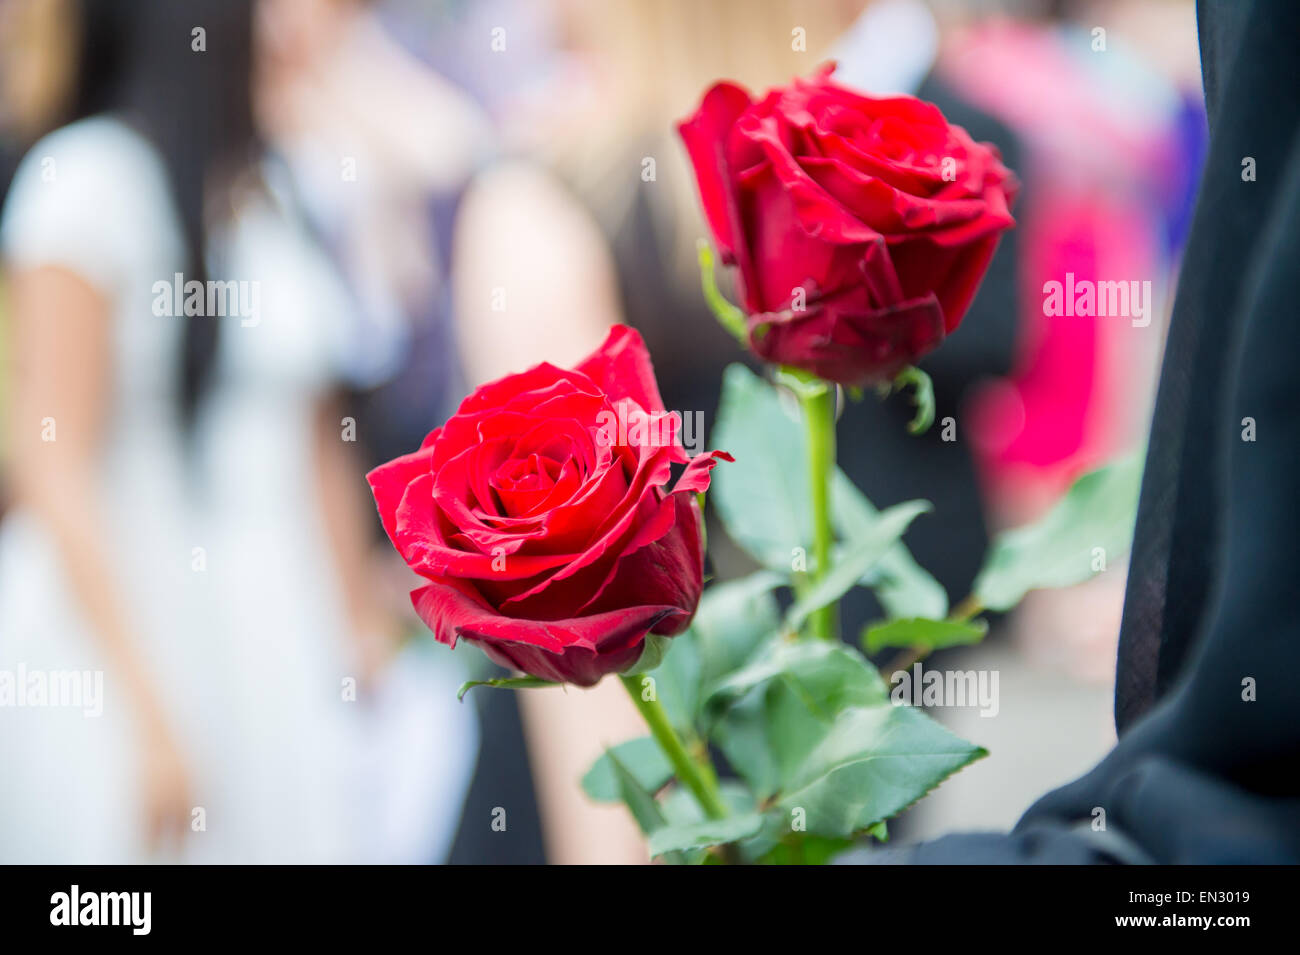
168, 536
93, 575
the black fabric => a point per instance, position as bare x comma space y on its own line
1249, 57
501, 781
1203, 773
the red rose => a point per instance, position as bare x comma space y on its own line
879, 211
541, 517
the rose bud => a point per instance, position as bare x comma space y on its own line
861, 226
542, 519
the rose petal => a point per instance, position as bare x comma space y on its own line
389, 481
664, 565
695, 478
621, 367
578, 651
705, 135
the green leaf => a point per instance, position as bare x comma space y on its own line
832, 674
656, 648
922, 397
861, 555
743, 735
803, 849
639, 801
873, 763
809, 725
733, 620
770, 478
903, 587
701, 835
1059, 550
681, 809
506, 683
641, 757
763, 498
922, 634
729, 316
769, 714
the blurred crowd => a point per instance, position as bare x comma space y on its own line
404, 198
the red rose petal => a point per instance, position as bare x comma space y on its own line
578, 651
621, 367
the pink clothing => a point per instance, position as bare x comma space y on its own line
1101, 136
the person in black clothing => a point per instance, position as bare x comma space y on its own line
1205, 701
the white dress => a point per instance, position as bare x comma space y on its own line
220, 557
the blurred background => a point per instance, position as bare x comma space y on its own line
396, 200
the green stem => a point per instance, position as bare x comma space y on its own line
819, 415
702, 782
966, 609
729, 316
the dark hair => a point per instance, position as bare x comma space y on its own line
189, 93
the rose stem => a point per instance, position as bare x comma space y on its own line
819, 414
965, 609
702, 784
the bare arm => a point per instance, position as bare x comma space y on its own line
60, 327
534, 282
566, 731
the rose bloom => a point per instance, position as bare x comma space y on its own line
541, 517
861, 226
